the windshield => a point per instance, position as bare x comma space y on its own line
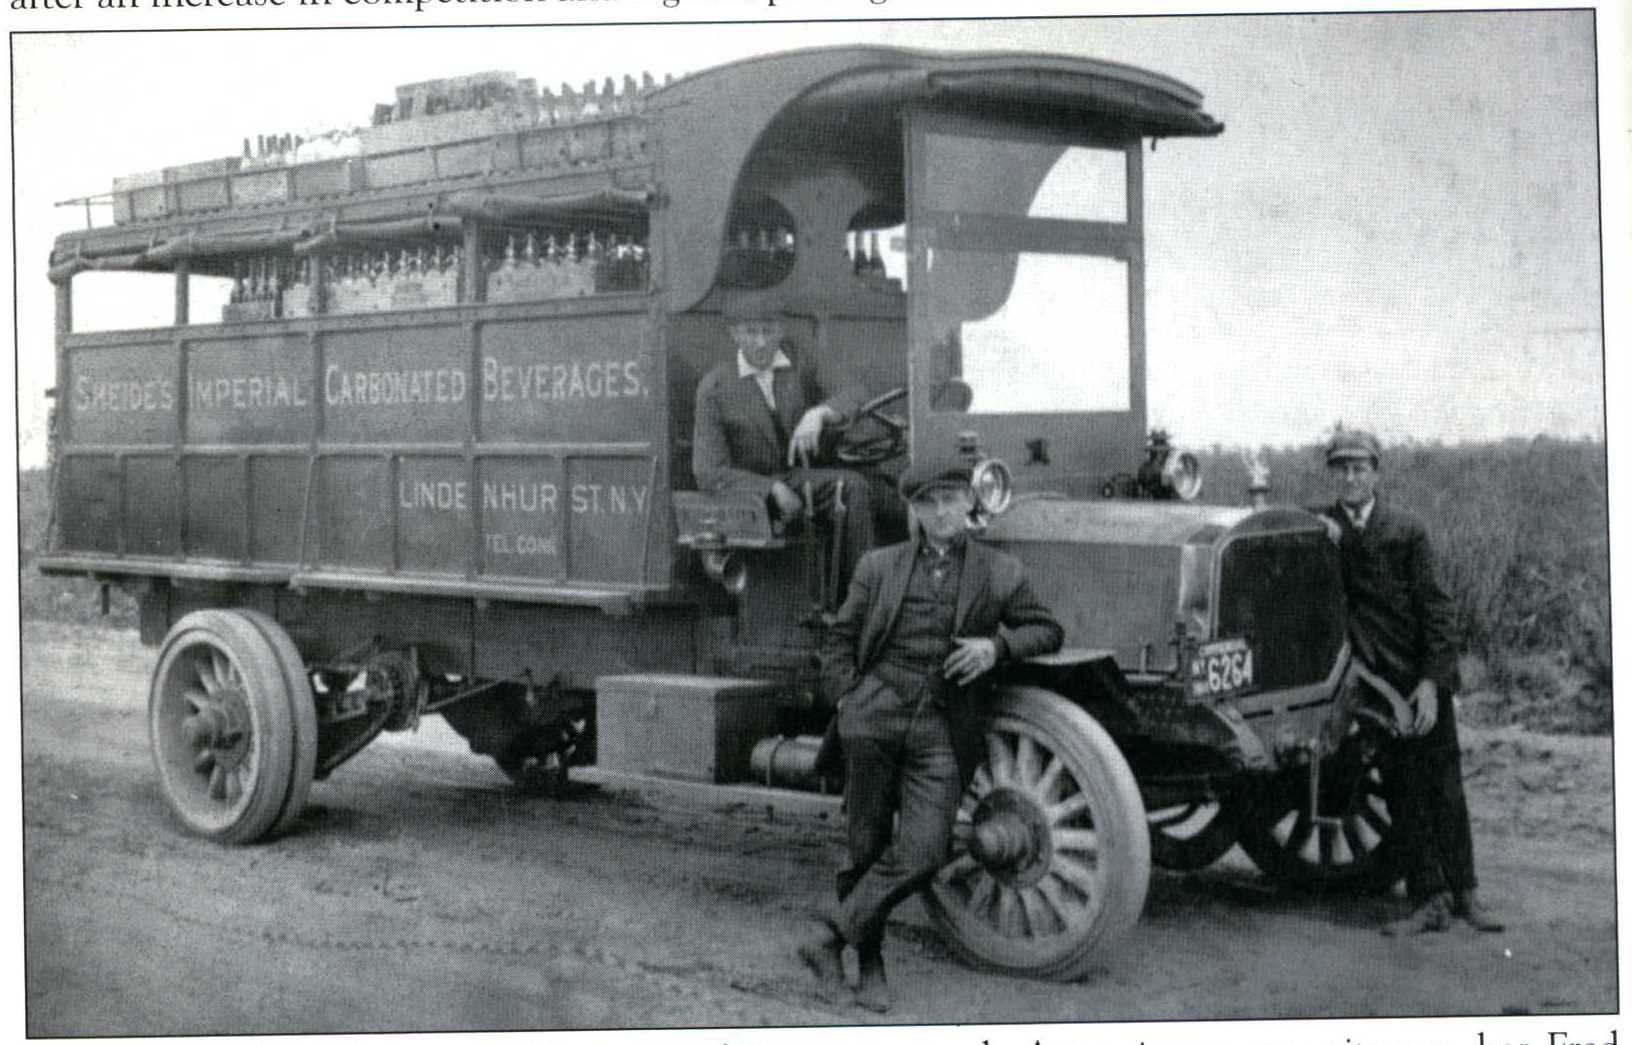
1028, 296
1057, 343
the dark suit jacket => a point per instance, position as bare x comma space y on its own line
993, 600
735, 445
1401, 622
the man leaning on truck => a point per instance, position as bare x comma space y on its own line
1400, 623
906, 658
760, 419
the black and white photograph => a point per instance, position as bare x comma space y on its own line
882, 521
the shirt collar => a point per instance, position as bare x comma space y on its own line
953, 548
1360, 516
781, 362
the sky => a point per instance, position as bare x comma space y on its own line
1398, 228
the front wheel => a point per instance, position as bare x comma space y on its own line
1350, 844
1192, 835
233, 747
1051, 852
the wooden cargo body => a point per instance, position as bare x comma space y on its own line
497, 450
467, 454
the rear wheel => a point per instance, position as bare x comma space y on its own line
1051, 853
225, 728
303, 714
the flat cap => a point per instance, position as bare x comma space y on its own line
744, 307
1351, 444
927, 475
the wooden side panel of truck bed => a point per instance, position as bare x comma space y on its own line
496, 449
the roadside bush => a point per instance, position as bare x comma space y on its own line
1544, 692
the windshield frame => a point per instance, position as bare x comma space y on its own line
1082, 444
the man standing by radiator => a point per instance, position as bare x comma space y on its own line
1403, 633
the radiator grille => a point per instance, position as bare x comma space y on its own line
1283, 591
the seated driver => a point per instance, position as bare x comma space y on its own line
760, 418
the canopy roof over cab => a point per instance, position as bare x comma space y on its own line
843, 106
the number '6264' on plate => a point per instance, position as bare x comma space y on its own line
1222, 667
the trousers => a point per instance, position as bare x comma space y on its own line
899, 760
1430, 810
858, 502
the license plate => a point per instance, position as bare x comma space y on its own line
1221, 668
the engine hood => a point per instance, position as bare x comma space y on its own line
1119, 574
1140, 523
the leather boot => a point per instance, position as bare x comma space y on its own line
873, 990
822, 955
1466, 906
1433, 916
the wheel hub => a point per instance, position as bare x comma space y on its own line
222, 728
393, 682
1010, 837
1002, 841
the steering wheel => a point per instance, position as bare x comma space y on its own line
854, 450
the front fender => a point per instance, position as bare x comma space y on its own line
1151, 717
1147, 717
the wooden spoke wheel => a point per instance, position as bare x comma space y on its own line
233, 736
1051, 852
1192, 835
1351, 846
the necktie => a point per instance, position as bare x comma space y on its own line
766, 380
768, 388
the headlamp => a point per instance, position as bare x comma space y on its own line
993, 486
1181, 474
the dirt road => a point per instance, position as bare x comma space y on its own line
419, 892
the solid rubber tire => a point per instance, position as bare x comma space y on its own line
1118, 815
272, 726
303, 713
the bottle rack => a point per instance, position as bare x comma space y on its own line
529, 264
537, 264
391, 280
